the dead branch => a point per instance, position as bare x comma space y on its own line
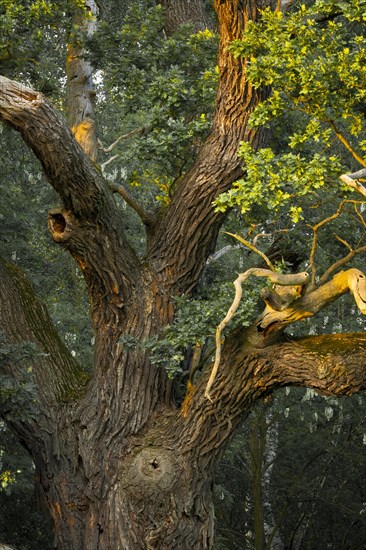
316, 228
352, 180
111, 159
253, 249
340, 263
274, 277
119, 139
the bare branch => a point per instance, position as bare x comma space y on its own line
111, 159
253, 249
268, 235
343, 241
347, 144
276, 278
110, 148
352, 181
271, 321
220, 253
341, 263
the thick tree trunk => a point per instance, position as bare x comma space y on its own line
119, 465
120, 472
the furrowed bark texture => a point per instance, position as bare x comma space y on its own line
119, 464
178, 13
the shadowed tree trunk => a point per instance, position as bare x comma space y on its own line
118, 463
182, 12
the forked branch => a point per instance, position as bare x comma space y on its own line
276, 278
352, 252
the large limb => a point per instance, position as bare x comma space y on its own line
257, 360
89, 225
178, 251
274, 319
23, 318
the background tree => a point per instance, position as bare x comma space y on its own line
108, 445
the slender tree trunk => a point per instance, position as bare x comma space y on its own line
257, 447
80, 88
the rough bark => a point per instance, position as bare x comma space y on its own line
182, 12
119, 465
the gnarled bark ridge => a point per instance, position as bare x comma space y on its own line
119, 464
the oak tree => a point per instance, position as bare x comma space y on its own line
119, 462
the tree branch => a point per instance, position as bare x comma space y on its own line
84, 225
23, 318
332, 364
277, 278
69, 170
179, 252
271, 322
119, 139
347, 144
145, 216
340, 262
352, 181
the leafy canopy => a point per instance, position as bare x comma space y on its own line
314, 59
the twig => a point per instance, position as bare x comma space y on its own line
343, 241
111, 159
359, 215
341, 263
145, 216
347, 144
119, 139
264, 235
217, 255
253, 248
315, 229
274, 277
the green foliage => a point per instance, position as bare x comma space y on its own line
275, 180
164, 85
195, 323
36, 51
314, 59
